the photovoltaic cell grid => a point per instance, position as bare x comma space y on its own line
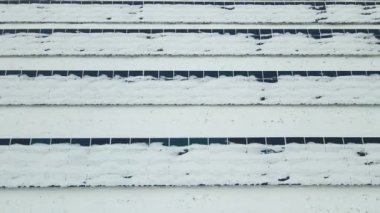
275, 141
262, 76
217, 3
254, 33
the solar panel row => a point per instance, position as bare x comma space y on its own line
218, 3
254, 33
263, 76
189, 141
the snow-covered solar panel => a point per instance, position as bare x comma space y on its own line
263, 76
275, 141
255, 33
218, 3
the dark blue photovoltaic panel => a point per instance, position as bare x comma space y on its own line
329, 73
275, 141
83, 31
184, 74
120, 30
270, 76
257, 74
255, 33
205, 30
172, 30
46, 31
243, 31
163, 141
353, 140
179, 141
29, 73
157, 31
335, 140
91, 31
181, 31
213, 74
314, 140
373, 73
76, 31
278, 31
371, 140
226, 73
350, 31
147, 31
81, 141
314, 73
290, 31
44, 73
237, 140
218, 141
9, 31
21, 31
20, 141
90, 73
285, 73
5, 141
77, 73
120, 140
153, 74
121, 73
60, 140
197, 74
299, 73
338, 30
58, 30
230, 31
362, 31
108, 74
166, 74
40, 141
359, 73
194, 30
100, 141
140, 140
135, 73
201, 141
14, 72
241, 73
60, 72
108, 30
303, 31
298, 140
256, 140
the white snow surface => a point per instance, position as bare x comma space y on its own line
238, 90
189, 121
148, 25
140, 165
187, 44
252, 63
244, 14
296, 199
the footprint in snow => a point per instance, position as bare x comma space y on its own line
284, 179
183, 152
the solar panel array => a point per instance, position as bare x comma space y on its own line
261, 76
218, 3
269, 76
254, 33
275, 141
